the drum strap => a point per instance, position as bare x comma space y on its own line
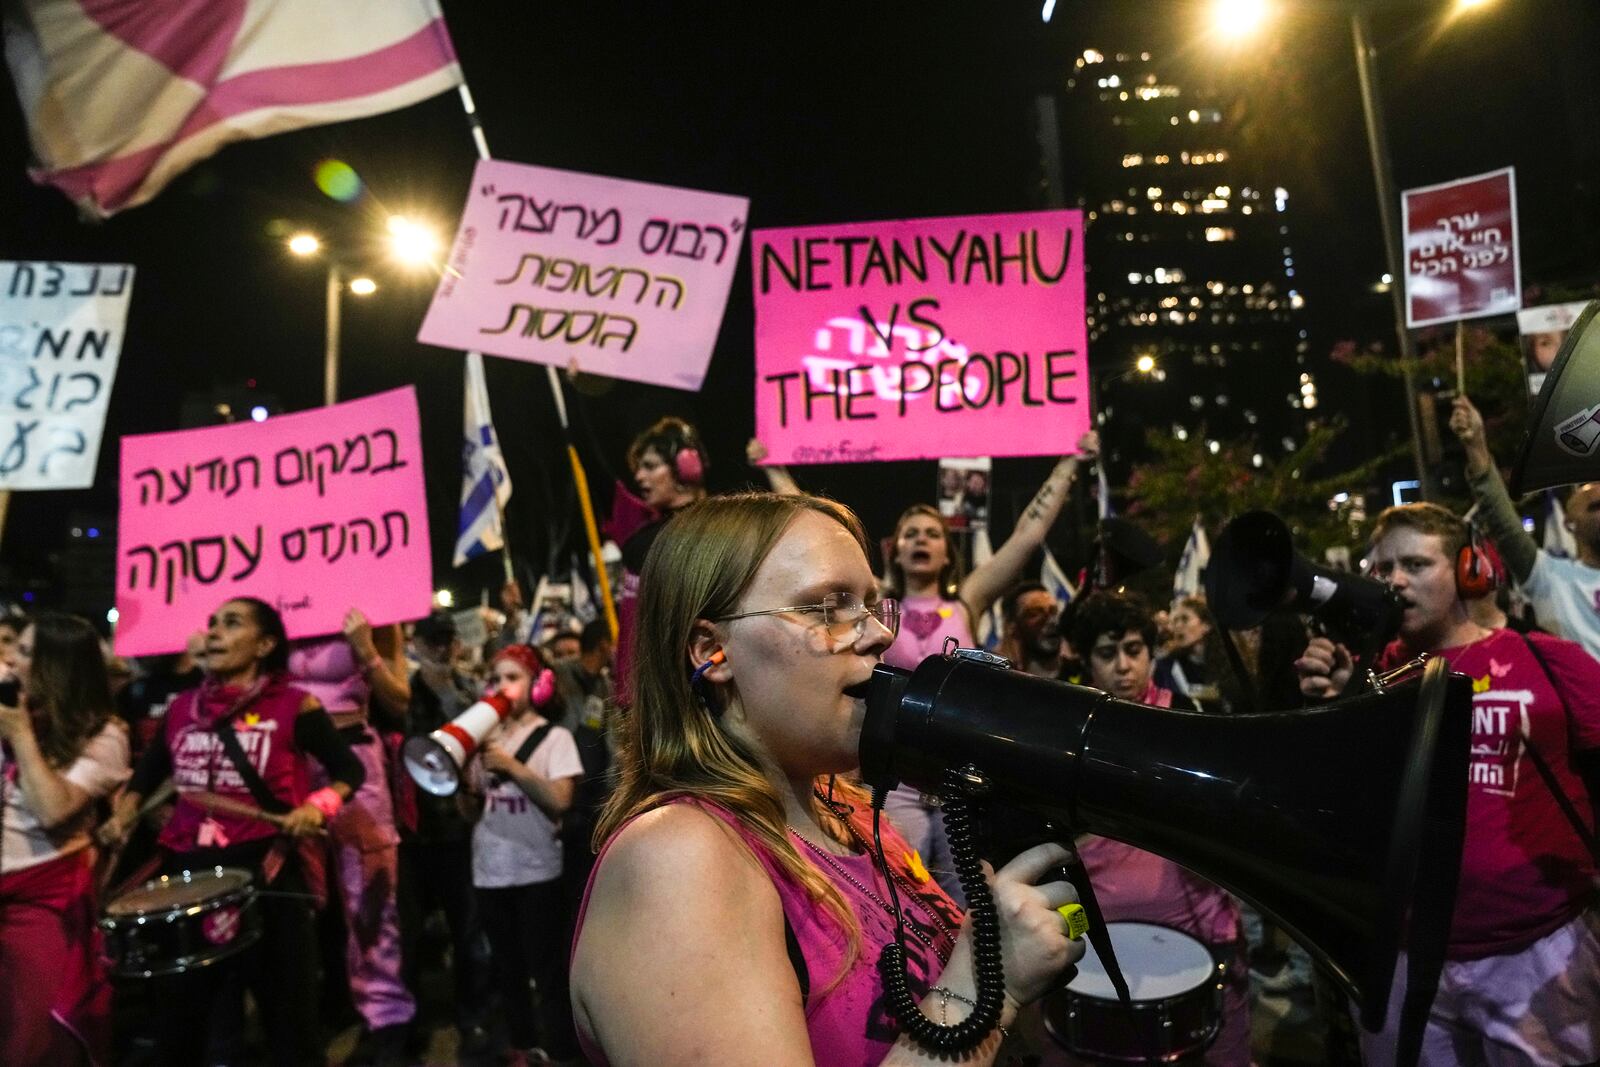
251, 777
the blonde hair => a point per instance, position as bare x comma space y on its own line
671, 745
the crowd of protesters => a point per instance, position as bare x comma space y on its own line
621, 830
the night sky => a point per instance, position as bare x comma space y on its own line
831, 113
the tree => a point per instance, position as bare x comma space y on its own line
1186, 478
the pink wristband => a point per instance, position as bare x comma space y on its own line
375, 661
326, 801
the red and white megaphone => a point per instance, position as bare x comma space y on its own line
434, 760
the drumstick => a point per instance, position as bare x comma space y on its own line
111, 855
218, 802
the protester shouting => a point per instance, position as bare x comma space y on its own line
734, 914
63, 750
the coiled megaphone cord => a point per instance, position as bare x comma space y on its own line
988, 971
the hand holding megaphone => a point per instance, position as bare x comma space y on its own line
434, 760
1324, 669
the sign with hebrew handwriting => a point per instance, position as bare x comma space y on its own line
1461, 249
315, 513
921, 338
61, 328
627, 278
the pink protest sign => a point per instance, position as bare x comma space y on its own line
629, 279
315, 513
921, 338
1461, 249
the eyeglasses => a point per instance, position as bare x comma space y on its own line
838, 610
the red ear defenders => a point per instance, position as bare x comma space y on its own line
1479, 570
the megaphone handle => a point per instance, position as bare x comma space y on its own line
1099, 933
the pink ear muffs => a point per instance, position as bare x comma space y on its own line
689, 467
544, 688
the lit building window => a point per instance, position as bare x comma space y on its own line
1091, 56
1219, 233
1132, 159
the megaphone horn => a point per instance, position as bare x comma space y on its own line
1254, 568
1563, 442
1263, 805
434, 760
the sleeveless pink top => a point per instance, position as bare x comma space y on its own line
326, 668
265, 730
925, 622
849, 1024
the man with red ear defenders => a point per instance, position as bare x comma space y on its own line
1525, 922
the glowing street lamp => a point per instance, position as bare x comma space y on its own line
304, 244
413, 243
1145, 363
363, 286
1238, 19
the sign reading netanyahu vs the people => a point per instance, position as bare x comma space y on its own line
315, 513
921, 338
61, 330
627, 278
1461, 249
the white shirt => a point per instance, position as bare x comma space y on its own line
100, 768
515, 843
1566, 594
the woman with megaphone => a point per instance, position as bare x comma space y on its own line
736, 913
517, 792
62, 748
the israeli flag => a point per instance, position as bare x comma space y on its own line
1053, 578
485, 482
1106, 510
1558, 540
1196, 554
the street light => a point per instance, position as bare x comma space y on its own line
1145, 363
413, 243
1238, 19
305, 245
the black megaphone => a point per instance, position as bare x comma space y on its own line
1264, 805
1254, 568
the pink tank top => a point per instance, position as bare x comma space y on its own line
849, 1024
265, 730
326, 668
925, 622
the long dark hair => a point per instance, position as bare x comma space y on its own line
67, 685
271, 625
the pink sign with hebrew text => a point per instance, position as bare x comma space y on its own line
921, 338
315, 513
627, 278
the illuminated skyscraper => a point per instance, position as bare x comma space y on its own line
1194, 308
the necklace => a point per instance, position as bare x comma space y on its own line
882, 904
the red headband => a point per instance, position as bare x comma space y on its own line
522, 655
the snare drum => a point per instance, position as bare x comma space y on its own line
181, 922
1176, 1008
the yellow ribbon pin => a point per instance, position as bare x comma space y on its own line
918, 870
1077, 920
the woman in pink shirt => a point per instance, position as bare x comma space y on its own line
735, 914
937, 602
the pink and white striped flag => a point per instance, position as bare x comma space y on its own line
122, 95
